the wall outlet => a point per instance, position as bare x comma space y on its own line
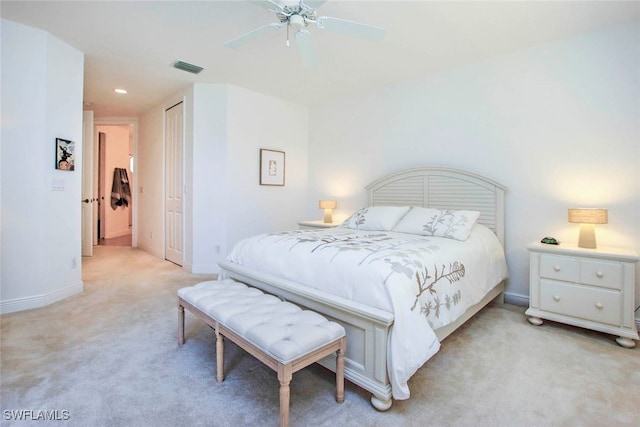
218, 249
74, 263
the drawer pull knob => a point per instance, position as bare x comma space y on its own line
556, 267
556, 297
600, 274
599, 306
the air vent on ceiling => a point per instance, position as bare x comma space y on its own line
185, 66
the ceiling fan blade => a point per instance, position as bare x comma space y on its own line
305, 48
314, 3
241, 40
266, 4
366, 31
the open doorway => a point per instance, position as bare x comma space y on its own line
114, 179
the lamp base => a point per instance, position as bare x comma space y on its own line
587, 237
328, 218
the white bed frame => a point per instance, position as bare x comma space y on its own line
368, 328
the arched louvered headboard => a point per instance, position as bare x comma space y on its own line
442, 188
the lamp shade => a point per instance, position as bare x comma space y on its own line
588, 216
328, 204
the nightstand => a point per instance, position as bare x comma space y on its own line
307, 225
590, 288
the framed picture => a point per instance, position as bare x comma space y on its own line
271, 167
65, 157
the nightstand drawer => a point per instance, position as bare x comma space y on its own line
598, 305
599, 273
559, 268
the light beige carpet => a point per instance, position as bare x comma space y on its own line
109, 357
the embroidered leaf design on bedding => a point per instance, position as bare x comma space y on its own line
353, 242
425, 282
405, 261
404, 257
360, 217
434, 305
399, 267
446, 218
368, 244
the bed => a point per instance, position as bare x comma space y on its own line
422, 281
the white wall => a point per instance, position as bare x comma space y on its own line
225, 127
149, 186
259, 121
41, 228
558, 124
207, 184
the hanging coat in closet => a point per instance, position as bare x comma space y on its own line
120, 191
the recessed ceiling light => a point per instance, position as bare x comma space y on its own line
119, 91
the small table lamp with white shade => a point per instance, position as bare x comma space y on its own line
587, 218
328, 205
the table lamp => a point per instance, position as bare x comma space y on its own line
328, 205
587, 218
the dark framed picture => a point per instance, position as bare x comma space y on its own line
271, 167
65, 157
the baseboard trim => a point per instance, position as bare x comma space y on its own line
516, 299
37, 301
149, 249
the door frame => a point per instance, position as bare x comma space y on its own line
102, 153
119, 121
88, 196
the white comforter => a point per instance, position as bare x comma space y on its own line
426, 282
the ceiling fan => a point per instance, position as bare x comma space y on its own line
297, 16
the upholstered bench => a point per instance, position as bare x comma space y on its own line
280, 334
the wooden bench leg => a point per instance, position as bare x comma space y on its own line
219, 356
180, 324
284, 375
340, 371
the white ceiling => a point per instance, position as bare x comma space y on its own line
134, 44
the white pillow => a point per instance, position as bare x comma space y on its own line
438, 222
376, 218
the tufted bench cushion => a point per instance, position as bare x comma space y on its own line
280, 334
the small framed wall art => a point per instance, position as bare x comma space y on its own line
65, 157
271, 167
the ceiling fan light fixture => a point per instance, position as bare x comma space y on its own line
185, 66
296, 21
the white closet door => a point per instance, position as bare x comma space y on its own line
174, 240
